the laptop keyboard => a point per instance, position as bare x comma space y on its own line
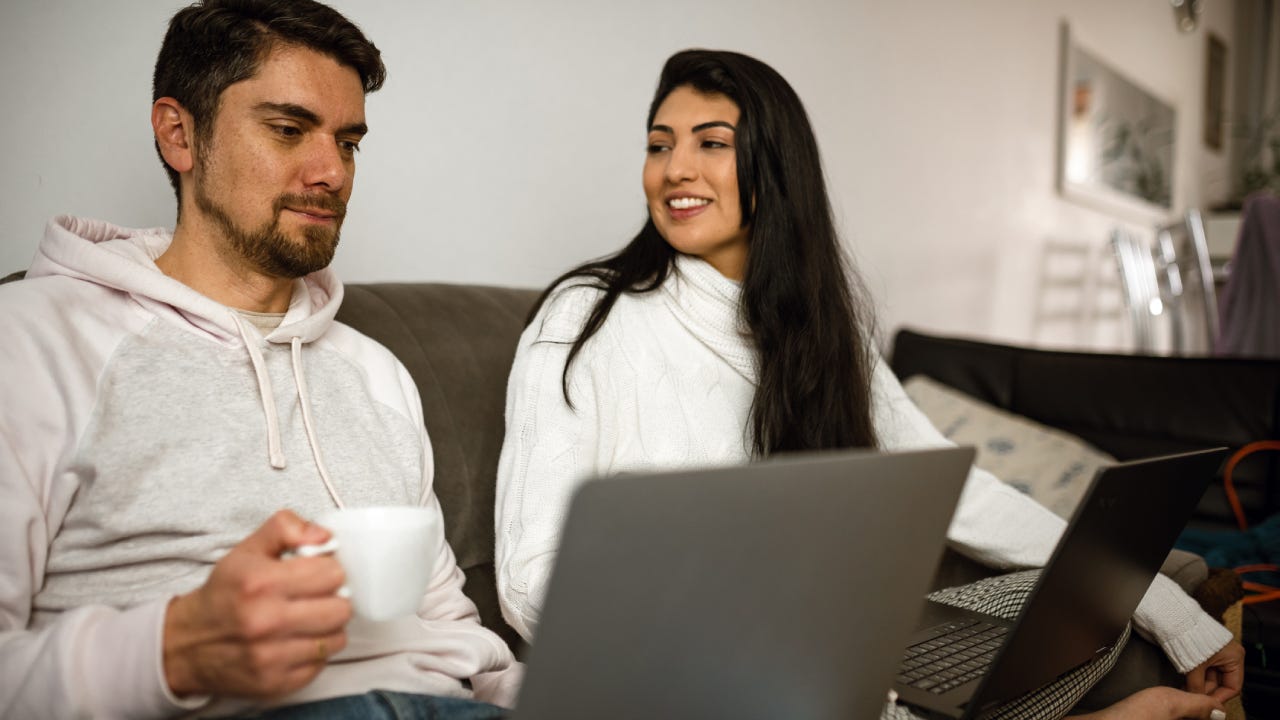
957, 653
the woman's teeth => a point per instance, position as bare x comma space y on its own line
684, 203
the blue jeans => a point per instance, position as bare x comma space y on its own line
387, 705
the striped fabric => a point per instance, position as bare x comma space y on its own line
1004, 596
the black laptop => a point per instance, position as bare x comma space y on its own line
963, 663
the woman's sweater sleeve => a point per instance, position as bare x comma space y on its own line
550, 448
1001, 527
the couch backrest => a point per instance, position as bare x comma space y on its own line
457, 342
1128, 405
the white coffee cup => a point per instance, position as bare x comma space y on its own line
387, 553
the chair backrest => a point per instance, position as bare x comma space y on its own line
1138, 286
1168, 286
1185, 275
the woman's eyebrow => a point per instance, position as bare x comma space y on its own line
714, 123
696, 128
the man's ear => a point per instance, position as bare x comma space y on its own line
175, 133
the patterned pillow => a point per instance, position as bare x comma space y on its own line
1051, 466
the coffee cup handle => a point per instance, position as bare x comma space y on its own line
316, 550
313, 550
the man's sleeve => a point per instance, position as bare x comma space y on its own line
93, 661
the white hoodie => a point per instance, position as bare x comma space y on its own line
145, 429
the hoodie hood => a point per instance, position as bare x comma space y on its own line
124, 259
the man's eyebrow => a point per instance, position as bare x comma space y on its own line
292, 110
354, 129
299, 112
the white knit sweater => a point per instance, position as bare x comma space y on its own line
667, 383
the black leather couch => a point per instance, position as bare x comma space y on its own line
1129, 406
1134, 406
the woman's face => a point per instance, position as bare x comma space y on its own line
691, 179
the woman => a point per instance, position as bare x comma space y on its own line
730, 329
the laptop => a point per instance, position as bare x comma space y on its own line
781, 589
1112, 549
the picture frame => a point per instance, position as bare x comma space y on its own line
1215, 88
1116, 140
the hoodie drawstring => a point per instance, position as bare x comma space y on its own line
275, 453
304, 399
274, 450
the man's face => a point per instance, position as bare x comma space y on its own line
275, 171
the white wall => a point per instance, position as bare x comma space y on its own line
507, 143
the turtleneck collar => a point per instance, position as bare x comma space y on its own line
709, 306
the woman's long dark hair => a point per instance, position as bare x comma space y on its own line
812, 331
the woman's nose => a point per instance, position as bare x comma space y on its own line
681, 166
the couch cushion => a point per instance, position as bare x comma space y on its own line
1051, 466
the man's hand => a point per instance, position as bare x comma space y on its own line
1221, 676
260, 626
1161, 703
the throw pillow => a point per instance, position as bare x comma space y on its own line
1051, 466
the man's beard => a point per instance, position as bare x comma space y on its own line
267, 248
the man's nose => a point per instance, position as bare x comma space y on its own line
326, 165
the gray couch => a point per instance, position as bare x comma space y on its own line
457, 342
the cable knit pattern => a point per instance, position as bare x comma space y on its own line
667, 383
706, 304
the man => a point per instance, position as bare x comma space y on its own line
164, 393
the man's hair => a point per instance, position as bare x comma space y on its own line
213, 44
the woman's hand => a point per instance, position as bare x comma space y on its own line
1161, 703
1221, 676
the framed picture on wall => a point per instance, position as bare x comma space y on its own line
1115, 138
1215, 88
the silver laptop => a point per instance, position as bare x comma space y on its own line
781, 589
963, 663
